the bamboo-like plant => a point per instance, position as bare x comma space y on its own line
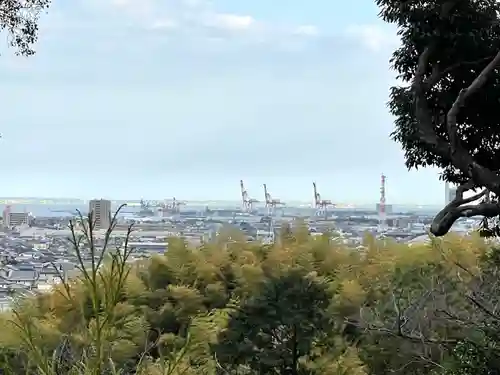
103, 280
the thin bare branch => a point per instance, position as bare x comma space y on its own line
482, 307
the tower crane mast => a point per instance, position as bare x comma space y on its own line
382, 214
271, 203
248, 203
321, 205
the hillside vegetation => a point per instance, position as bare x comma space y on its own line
302, 306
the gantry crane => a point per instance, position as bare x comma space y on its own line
321, 205
144, 204
173, 207
246, 200
146, 209
271, 203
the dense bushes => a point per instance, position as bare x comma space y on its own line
303, 306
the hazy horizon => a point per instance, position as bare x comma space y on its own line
290, 203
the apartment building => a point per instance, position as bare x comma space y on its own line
101, 213
15, 219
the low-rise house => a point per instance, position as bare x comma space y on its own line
27, 278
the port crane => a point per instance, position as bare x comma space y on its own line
144, 204
152, 207
177, 204
173, 207
248, 203
271, 203
321, 205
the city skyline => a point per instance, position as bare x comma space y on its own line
153, 98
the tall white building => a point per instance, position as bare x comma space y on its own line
101, 213
449, 192
15, 219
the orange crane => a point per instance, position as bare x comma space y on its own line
246, 200
271, 203
321, 205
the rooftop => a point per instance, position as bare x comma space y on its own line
35, 232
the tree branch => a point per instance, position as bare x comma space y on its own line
482, 307
437, 74
420, 88
453, 150
417, 339
457, 151
398, 327
459, 207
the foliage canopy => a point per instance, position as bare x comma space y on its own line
19, 18
446, 109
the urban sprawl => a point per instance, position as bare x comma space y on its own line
36, 253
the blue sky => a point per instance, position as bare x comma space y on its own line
162, 98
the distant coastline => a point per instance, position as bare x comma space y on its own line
9, 200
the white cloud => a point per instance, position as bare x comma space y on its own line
197, 17
164, 24
191, 24
142, 8
307, 30
374, 37
230, 21
180, 14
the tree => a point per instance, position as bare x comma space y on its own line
20, 19
446, 109
273, 331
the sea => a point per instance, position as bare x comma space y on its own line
47, 207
